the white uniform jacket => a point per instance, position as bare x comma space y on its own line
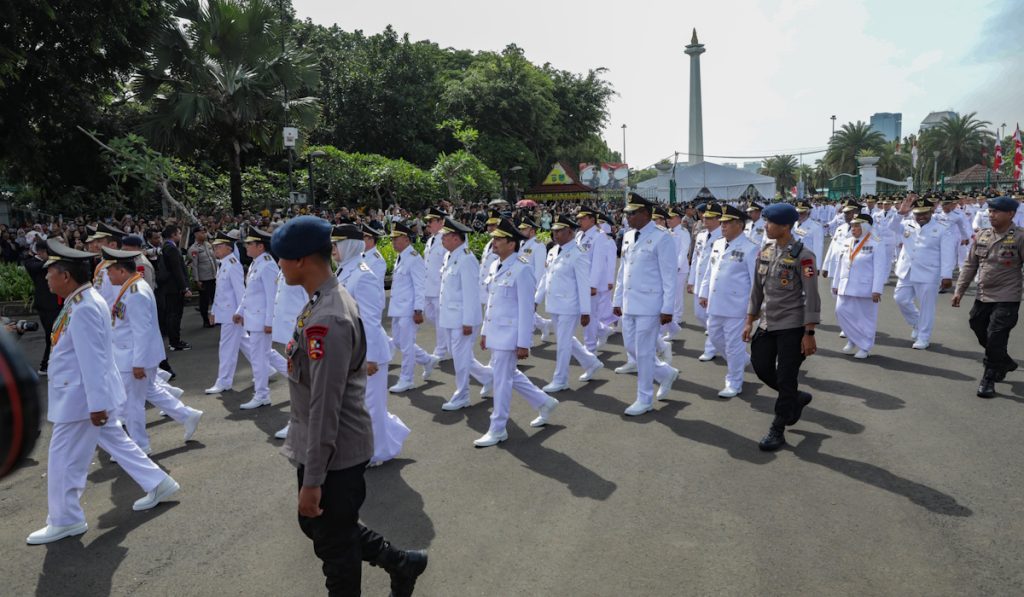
488, 257
230, 289
537, 254
460, 290
377, 264
509, 321
359, 280
928, 253
647, 279
565, 288
591, 245
755, 231
864, 273
257, 306
682, 238
82, 377
701, 254
812, 235
729, 276
407, 284
288, 303
433, 256
135, 321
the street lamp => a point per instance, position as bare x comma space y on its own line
626, 191
507, 178
309, 164
833, 127
1003, 126
935, 170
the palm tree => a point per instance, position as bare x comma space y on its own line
783, 168
893, 164
219, 70
959, 140
847, 143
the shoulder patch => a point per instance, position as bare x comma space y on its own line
364, 266
315, 341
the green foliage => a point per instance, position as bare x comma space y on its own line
848, 143
959, 141
365, 180
15, 284
466, 177
783, 168
387, 252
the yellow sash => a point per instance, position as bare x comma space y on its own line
853, 252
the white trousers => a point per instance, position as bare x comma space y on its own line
922, 318
539, 323
259, 356
389, 432
403, 330
507, 378
679, 313
961, 254
568, 346
726, 334
465, 363
858, 317
232, 339
640, 332
276, 360
596, 328
71, 449
140, 391
702, 318
604, 308
431, 307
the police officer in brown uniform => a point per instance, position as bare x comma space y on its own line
330, 438
996, 258
785, 292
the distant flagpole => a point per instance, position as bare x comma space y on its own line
1018, 156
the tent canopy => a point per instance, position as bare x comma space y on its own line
724, 182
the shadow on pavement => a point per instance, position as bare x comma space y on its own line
578, 479
871, 398
394, 509
809, 450
766, 405
736, 445
268, 419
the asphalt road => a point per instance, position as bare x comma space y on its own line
898, 481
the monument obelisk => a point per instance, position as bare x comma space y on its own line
694, 50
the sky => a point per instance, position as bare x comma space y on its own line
773, 73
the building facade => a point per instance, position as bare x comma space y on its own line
889, 124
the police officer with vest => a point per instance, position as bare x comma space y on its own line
996, 259
785, 299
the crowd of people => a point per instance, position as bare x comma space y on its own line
303, 295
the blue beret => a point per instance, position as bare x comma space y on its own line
301, 236
1003, 204
131, 240
780, 213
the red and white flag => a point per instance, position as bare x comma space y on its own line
997, 160
1018, 154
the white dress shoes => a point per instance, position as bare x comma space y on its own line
545, 332
455, 404
842, 334
666, 386
729, 392
920, 345
491, 438
545, 412
192, 423
428, 368
487, 390
589, 373
215, 390
849, 348
403, 386
553, 387
51, 533
705, 357
638, 408
629, 367
861, 354
282, 433
255, 403
164, 490
913, 334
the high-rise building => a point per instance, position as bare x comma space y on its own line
935, 118
890, 124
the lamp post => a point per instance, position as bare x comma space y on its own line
507, 180
626, 192
935, 170
1002, 126
309, 164
833, 127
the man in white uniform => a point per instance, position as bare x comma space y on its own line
755, 225
957, 225
84, 391
725, 291
288, 303
256, 313
226, 300
644, 299
565, 292
683, 240
699, 264
807, 231
371, 255
406, 308
537, 254
589, 239
433, 255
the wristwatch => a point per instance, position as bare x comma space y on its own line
808, 332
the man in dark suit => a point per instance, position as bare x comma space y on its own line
174, 288
45, 301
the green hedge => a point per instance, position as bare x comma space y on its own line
15, 285
477, 242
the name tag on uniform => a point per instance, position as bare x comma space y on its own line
736, 256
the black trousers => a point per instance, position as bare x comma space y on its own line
340, 542
206, 290
46, 319
174, 306
161, 311
992, 323
776, 358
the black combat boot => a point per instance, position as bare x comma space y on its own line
987, 387
802, 400
404, 567
1001, 374
774, 440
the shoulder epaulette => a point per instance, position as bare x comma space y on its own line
524, 259
414, 253
267, 257
134, 287
660, 227
466, 249
364, 266
77, 299
232, 260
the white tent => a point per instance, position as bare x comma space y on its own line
724, 182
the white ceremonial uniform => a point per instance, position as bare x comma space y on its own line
377, 264
460, 306
389, 432
726, 286
83, 378
434, 255
1018, 219
486, 259
257, 311
565, 292
886, 232
862, 270
812, 235
755, 231
609, 252
591, 245
925, 260
699, 264
226, 299
101, 283
981, 220
957, 224
407, 283
682, 238
288, 303
842, 232
537, 254
643, 290
135, 345
507, 326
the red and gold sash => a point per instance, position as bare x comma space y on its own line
124, 288
853, 252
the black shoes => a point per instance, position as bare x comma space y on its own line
987, 386
802, 400
181, 346
1001, 374
404, 567
774, 440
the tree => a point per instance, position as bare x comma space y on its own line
464, 175
783, 168
847, 143
220, 70
370, 180
959, 140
